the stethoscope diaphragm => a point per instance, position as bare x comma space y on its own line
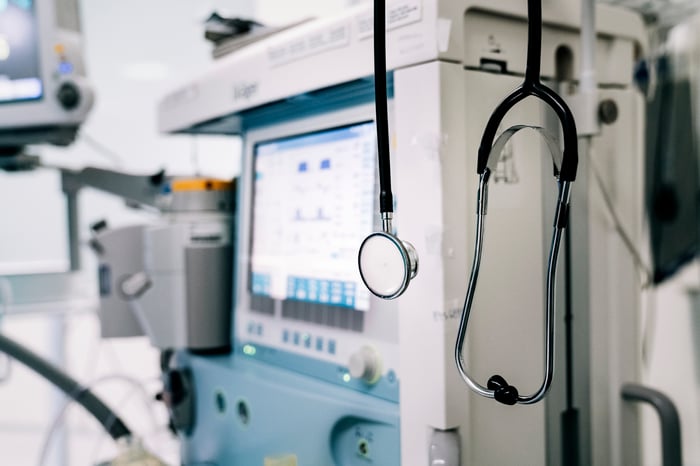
387, 264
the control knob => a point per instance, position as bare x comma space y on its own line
68, 96
366, 365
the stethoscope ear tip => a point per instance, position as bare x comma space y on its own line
387, 264
502, 391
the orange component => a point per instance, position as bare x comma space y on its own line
200, 184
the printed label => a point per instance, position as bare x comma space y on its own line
332, 37
399, 13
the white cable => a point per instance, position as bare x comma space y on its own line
137, 386
646, 275
649, 325
102, 149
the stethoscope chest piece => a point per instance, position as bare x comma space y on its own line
387, 264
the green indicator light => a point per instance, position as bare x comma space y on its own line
346, 378
249, 350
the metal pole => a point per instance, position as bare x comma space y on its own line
73, 229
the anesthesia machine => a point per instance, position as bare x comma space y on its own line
330, 306
324, 371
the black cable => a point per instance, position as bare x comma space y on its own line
568, 319
81, 395
534, 41
386, 200
569, 417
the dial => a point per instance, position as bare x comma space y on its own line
366, 365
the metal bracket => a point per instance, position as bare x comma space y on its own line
136, 189
672, 449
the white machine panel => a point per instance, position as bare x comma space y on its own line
339, 49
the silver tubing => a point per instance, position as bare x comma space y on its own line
476, 263
550, 306
564, 192
549, 319
386, 222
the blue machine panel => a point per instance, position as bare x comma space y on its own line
247, 411
386, 388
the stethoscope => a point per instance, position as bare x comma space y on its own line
388, 264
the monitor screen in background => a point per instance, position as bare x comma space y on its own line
313, 206
20, 77
672, 175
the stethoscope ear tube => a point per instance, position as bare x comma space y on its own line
387, 264
386, 200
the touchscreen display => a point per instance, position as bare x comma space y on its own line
20, 77
313, 206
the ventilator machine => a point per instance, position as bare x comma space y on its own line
435, 253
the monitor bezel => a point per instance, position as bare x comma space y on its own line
254, 157
39, 9
271, 131
37, 120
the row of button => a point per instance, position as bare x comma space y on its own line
322, 291
296, 338
307, 341
255, 329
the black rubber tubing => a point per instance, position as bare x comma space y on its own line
80, 394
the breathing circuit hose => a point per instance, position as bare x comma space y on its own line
81, 395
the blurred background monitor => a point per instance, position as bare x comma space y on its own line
672, 169
43, 93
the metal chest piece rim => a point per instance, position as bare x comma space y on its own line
387, 264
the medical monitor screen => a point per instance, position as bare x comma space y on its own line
313, 205
20, 78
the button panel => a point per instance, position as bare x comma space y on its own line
308, 341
